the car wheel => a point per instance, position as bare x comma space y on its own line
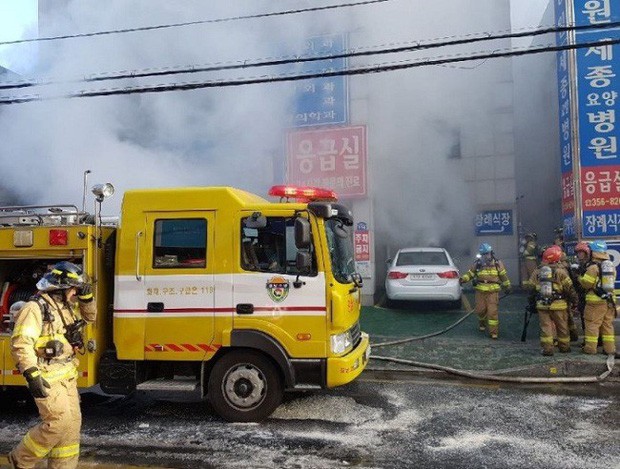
244, 386
456, 304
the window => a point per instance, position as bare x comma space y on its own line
422, 258
271, 248
180, 243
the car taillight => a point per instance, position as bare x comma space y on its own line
448, 274
397, 275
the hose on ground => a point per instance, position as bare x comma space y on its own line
432, 334
507, 379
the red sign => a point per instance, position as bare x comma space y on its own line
361, 243
568, 193
334, 158
600, 188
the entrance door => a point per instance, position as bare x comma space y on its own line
179, 285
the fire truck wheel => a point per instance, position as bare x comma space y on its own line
244, 386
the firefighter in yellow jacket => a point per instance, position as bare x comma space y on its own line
600, 310
44, 342
529, 258
555, 292
487, 275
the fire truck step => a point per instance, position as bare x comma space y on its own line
177, 384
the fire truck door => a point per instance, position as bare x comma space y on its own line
179, 285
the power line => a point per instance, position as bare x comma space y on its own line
303, 59
191, 23
295, 77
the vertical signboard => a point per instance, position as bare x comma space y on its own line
361, 242
594, 108
333, 158
324, 100
564, 96
361, 245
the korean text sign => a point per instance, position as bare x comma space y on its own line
494, 223
323, 100
334, 158
361, 242
598, 87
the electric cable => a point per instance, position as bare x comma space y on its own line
394, 66
192, 23
284, 60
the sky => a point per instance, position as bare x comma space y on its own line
18, 20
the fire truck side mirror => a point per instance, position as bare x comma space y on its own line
303, 262
302, 233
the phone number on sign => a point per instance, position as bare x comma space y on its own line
602, 202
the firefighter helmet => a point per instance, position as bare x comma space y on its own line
552, 255
598, 246
582, 246
62, 276
485, 248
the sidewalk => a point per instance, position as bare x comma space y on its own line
466, 348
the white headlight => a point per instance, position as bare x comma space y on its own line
341, 342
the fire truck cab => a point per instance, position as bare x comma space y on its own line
211, 290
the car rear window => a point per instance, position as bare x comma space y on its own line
422, 258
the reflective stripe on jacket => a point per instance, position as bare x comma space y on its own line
490, 278
31, 334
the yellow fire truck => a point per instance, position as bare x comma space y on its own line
211, 290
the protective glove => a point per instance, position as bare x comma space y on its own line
85, 292
36, 383
508, 290
461, 281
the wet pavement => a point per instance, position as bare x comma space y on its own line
464, 347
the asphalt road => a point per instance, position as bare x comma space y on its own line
372, 423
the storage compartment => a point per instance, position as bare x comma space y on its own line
18, 280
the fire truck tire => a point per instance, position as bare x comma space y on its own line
244, 386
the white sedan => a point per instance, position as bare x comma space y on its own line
425, 274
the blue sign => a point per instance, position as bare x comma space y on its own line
598, 84
494, 223
563, 91
569, 227
614, 254
322, 101
601, 224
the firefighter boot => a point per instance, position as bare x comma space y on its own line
482, 325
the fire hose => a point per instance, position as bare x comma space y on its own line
432, 334
485, 375
508, 379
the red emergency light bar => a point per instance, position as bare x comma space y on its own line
303, 193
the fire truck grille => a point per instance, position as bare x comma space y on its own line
356, 334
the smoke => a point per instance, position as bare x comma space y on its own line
424, 124
225, 136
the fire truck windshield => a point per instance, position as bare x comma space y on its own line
340, 245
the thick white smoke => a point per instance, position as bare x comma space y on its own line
234, 136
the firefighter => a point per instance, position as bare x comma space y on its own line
565, 262
554, 292
582, 254
529, 258
598, 282
44, 343
487, 275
